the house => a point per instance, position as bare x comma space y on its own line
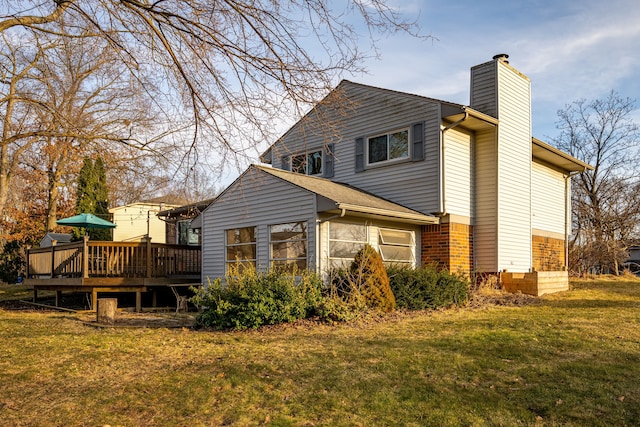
49, 239
182, 227
420, 179
137, 221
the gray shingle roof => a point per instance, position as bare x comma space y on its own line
350, 198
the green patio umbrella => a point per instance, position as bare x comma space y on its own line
85, 220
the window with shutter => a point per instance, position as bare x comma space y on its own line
328, 161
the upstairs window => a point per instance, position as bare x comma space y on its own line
390, 146
307, 163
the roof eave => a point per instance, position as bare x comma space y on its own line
406, 217
547, 153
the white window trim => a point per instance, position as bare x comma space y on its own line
388, 161
411, 245
366, 240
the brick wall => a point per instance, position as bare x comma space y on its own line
548, 253
450, 245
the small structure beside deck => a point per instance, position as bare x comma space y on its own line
114, 267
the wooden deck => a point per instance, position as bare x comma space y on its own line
95, 267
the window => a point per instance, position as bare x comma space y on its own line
308, 163
397, 246
390, 146
289, 246
187, 235
241, 246
345, 240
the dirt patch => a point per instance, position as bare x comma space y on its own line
127, 319
492, 298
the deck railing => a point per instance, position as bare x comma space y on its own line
86, 259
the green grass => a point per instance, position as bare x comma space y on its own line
570, 359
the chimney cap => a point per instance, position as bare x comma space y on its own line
502, 56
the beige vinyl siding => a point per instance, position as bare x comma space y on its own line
547, 199
459, 179
514, 170
255, 199
486, 218
376, 111
135, 220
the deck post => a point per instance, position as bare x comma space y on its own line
149, 260
138, 301
35, 294
58, 298
94, 299
53, 258
85, 258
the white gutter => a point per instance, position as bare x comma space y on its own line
406, 216
342, 213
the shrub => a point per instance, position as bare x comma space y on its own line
250, 299
427, 288
370, 275
12, 262
364, 285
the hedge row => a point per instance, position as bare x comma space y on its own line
250, 299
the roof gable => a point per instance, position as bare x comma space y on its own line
342, 102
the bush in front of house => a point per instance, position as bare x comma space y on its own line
371, 277
250, 299
427, 287
363, 285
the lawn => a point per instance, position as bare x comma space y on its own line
567, 359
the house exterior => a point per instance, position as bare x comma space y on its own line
420, 179
50, 237
183, 223
137, 221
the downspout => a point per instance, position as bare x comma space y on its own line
567, 200
443, 207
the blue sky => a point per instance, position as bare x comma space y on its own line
569, 49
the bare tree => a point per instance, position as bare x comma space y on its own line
606, 201
232, 66
68, 96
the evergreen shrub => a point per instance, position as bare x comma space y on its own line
427, 287
364, 285
250, 299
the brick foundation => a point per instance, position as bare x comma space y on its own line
548, 253
449, 245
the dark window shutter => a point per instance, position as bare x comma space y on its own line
417, 142
285, 163
359, 154
328, 159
